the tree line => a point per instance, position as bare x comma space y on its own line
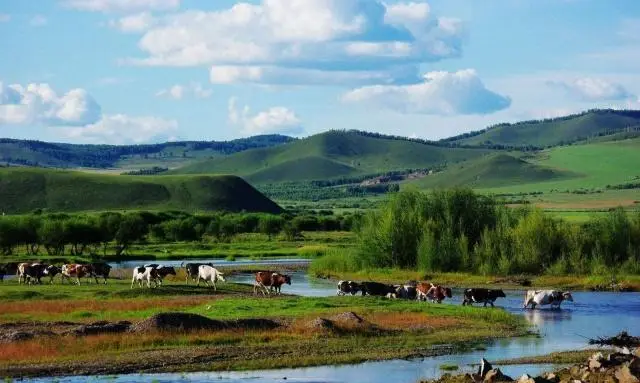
460, 231
78, 234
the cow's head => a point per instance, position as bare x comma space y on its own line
52, 270
355, 286
567, 297
287, 279
500, 294
448, 293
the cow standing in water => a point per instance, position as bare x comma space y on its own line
378, 289
546, 297
272, 280
485, 296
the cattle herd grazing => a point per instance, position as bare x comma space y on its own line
425, 291
268, 282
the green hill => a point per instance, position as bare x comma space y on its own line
552, 132
331, 155
23, 190
492, 171
169, 154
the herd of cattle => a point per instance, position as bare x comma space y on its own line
425, 291
269, 281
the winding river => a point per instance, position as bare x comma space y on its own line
593, 314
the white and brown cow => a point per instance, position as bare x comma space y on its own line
272, 280
75, 270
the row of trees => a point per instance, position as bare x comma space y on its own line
79, 234
462, 231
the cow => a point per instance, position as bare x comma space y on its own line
149, 274
546, 297
209, 274
75, 270
100, 269
406, 292
30, 272
348, 287
378, 289
163, 271
485, 296
192, 270
51, 271
272, 280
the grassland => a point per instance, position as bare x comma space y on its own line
572, 177
330, 155
391, 329
24, 190
555, 131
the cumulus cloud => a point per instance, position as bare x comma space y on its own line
278, 119
124, 6
594, 89
139, 22
359, 37
178, 92
441, 93
123, 129
40, 104
38, 21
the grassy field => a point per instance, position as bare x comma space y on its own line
555, 131
331, 155
25, 189
391, 329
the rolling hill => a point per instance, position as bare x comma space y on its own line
330, 155
169, 154
24, 190
552, 132
494, 170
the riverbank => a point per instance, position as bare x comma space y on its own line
462, 280
305, 331
587, 366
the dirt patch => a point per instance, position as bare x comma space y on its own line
192, 322
339, 324
24, 331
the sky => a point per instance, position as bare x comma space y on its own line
145, 71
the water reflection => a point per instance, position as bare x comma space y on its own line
540, 316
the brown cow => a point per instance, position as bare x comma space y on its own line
75, 270
434, 293
272, 280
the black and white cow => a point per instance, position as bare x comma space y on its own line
100, 269
378, 289
485, 296
546, 297
348, 287
192, 270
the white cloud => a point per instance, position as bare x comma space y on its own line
139, 22
178, 92
441, 93
226, 74
302, 35
38, 21
593, 89
123, 129
39, 104
4, 18
125, 6
278, 119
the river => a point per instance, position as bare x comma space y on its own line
593, 314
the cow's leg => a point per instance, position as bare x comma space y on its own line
133, 280
198, 280
213, 281
186, 280
492, 305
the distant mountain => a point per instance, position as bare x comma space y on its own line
495, 170
170, 154
26, 189
553, 132
330, 155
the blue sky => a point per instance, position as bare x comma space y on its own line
139, 71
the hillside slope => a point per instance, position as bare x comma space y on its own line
492, 171
23, 190
553, 132
169, 154
330, 155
